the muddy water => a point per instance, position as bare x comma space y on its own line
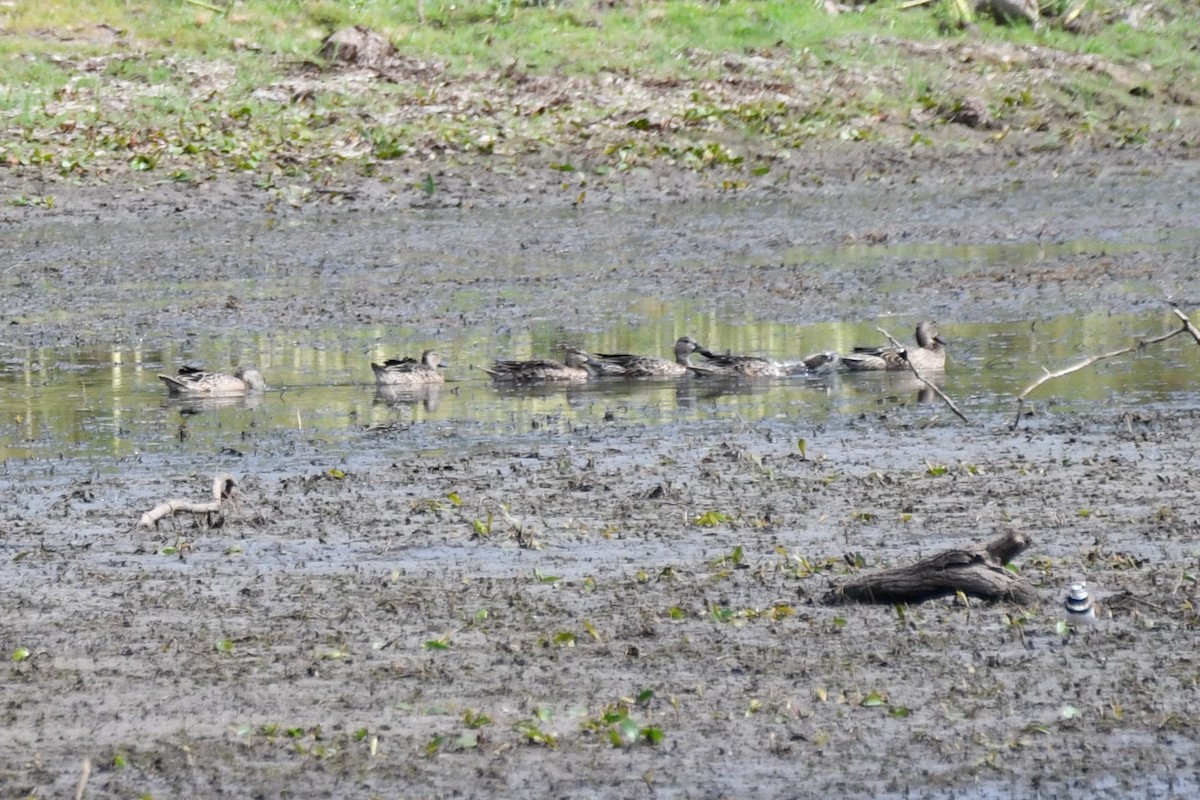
80, 406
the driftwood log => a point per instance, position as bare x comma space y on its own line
222, 489
977, 571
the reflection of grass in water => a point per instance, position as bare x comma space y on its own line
98, 401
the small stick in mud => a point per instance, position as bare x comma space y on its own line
223, 486
977, 571
923, 379
1187, 323
1187, 327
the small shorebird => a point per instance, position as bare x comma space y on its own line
1079, 609
409, 371
192, 382
928, 356
624, 365
572, 369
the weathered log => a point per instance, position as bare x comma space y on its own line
223, 486
976, 571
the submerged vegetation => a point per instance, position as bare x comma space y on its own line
191, 90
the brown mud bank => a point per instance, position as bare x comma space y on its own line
617, 611
1108, 232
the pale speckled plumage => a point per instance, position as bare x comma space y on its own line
928, 356
192, 382
572, 369
409, 371
730, 366
624, 365
817, 364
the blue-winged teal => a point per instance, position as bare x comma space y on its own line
541, 370
192, 382
815, 365
928, 356
624, 365
729, 366
409, 371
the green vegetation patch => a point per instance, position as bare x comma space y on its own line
189, 90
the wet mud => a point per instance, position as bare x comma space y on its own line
595, 606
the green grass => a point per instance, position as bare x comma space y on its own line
181, 88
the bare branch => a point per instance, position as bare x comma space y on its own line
1087, 362
222, 489
1187, 324
923, 379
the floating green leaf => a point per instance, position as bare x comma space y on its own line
20, 654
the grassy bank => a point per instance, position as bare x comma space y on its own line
188, 90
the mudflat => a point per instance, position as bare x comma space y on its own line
605, 608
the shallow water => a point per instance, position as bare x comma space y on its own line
78, 409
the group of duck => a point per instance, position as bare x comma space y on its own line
579, 366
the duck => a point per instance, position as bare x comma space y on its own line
573, 369
928, 356
624, 365
409, 371
818, 364
193, 382
731, 366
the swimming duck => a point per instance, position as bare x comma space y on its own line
192, 382
815, 365
730, 366
573, 369
409, 371
928, 355
624, 365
